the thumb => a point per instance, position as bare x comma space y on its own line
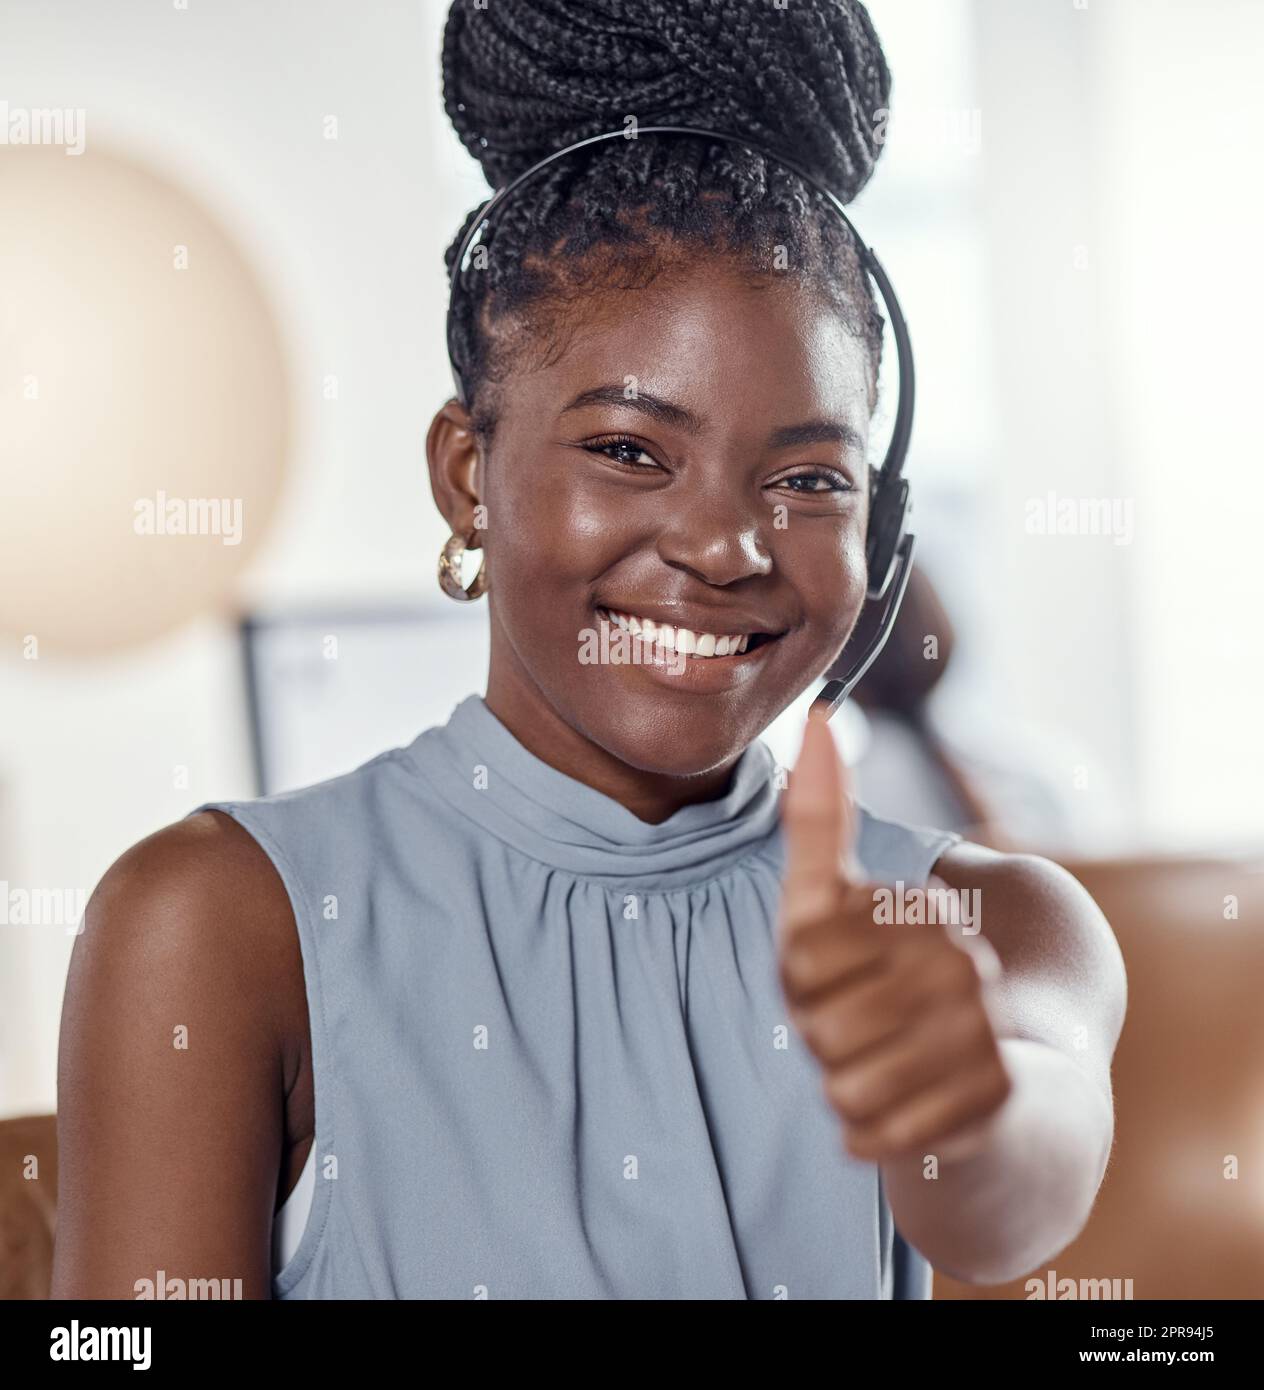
819, 826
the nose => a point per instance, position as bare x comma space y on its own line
716, 535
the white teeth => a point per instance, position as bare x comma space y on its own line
680, 639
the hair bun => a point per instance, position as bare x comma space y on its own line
522, 78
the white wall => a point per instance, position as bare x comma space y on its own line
1083, 292
1181, 234
229, 98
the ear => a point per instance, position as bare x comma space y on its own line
453, 456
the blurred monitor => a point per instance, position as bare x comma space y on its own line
328, 690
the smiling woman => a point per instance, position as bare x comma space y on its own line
566, 998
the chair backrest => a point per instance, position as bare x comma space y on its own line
28, 1205
1179, 1213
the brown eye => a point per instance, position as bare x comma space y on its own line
816, 483
628, 452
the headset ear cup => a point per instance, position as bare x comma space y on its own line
888, 521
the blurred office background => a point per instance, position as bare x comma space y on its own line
1068, 205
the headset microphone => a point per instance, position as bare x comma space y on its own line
889, 543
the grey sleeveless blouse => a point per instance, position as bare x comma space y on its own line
550, 1052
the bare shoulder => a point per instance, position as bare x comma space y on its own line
201, 853
1064, 979
184, 1012
198, 902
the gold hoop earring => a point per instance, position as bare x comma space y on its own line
450, 572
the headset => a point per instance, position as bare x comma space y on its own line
889, 543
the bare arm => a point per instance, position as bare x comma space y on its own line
1057, 1011
177, 1050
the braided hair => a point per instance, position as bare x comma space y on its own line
523, 78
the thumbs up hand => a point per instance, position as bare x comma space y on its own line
896, 1015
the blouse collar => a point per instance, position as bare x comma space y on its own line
485, 774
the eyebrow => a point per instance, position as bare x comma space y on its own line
676, 416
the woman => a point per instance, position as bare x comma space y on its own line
565, 999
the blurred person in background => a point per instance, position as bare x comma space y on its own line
917, 762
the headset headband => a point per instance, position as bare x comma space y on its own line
889, 546
893, 464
